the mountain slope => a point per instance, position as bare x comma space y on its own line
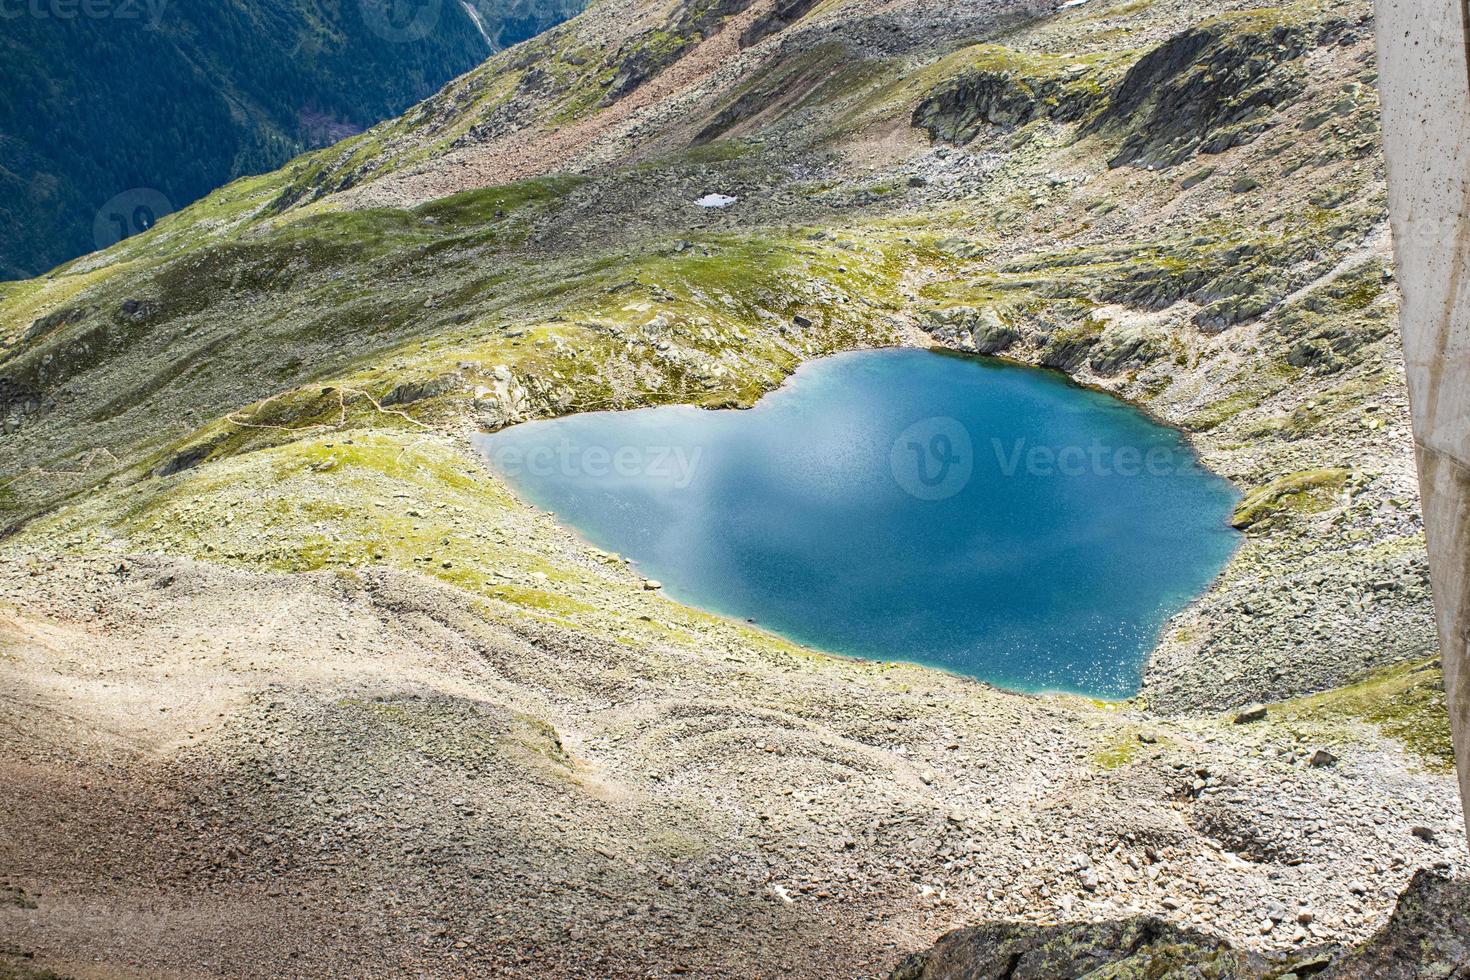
156, 105
1063, 211
238, 487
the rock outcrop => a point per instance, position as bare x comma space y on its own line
1208, 89
1427, 936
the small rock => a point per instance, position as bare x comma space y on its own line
1321, 759
1255, 712
652, 584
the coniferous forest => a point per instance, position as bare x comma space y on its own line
114, 110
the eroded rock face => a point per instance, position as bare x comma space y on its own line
1206, 90
781, 16
983, 331
17, 401
1427, 936
54, 321
409, 392
645, 55
960, 111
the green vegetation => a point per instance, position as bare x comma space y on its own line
1405, 702
347, 500
1121, 750
283, 380
1306, 492
1218, 413
291, 342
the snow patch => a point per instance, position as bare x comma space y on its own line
716, 201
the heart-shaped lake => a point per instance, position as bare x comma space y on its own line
988, 519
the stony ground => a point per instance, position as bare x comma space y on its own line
342, 774
294, 687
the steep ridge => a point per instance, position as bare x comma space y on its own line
235, 451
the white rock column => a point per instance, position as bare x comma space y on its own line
1424, 84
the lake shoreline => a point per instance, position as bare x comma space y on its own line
863, 394
1182, 673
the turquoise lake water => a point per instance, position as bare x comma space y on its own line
988, 519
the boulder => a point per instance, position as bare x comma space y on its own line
1428, 935
1254, 712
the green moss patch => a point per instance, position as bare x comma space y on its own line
1122, 750
1405, 702
1306, 491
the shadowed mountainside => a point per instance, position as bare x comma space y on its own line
116, 113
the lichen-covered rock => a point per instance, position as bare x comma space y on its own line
17, 401
1121, 350
1069, 347
1224, 313
408, 392
1000, 93
984, 330
782, 15
54, 321
957, 113
1426, 938
1207, 89
1137, 947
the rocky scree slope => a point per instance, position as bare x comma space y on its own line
245, 528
